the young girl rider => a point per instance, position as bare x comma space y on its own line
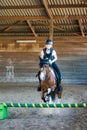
49, 54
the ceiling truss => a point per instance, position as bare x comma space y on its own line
48, 24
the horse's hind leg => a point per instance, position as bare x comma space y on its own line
59, 94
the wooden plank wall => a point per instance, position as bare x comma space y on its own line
72, 60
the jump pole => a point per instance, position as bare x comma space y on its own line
5, 106
33, 105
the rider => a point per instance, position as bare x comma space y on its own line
48, 53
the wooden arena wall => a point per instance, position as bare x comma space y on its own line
72, 59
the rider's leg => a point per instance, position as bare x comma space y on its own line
56, 68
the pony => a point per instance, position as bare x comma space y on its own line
48, 84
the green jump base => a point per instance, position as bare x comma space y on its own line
32, 105
3, 112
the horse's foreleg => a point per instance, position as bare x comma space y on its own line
50, 100
49, 96
42, 93
59, 96
42, 96
49, 90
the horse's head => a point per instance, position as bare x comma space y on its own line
46, 68
45, 71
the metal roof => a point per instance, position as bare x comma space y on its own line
32, 18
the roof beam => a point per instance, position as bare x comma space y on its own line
46, 24
70, 25
85, 1
47, 9
55, 27
72, 17
51, 27
43, 24
81, 28
51, 19
42, 17
42, 7
15, 26
40, 32
69, 39
9, 27
23, 18
68, 6
32, 28
51, 30
23, 7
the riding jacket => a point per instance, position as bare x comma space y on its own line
48, 55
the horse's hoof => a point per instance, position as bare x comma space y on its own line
47, 98
44, 100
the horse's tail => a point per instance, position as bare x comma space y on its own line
53, 95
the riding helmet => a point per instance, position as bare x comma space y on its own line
48, 42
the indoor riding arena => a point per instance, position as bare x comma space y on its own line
25, 25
